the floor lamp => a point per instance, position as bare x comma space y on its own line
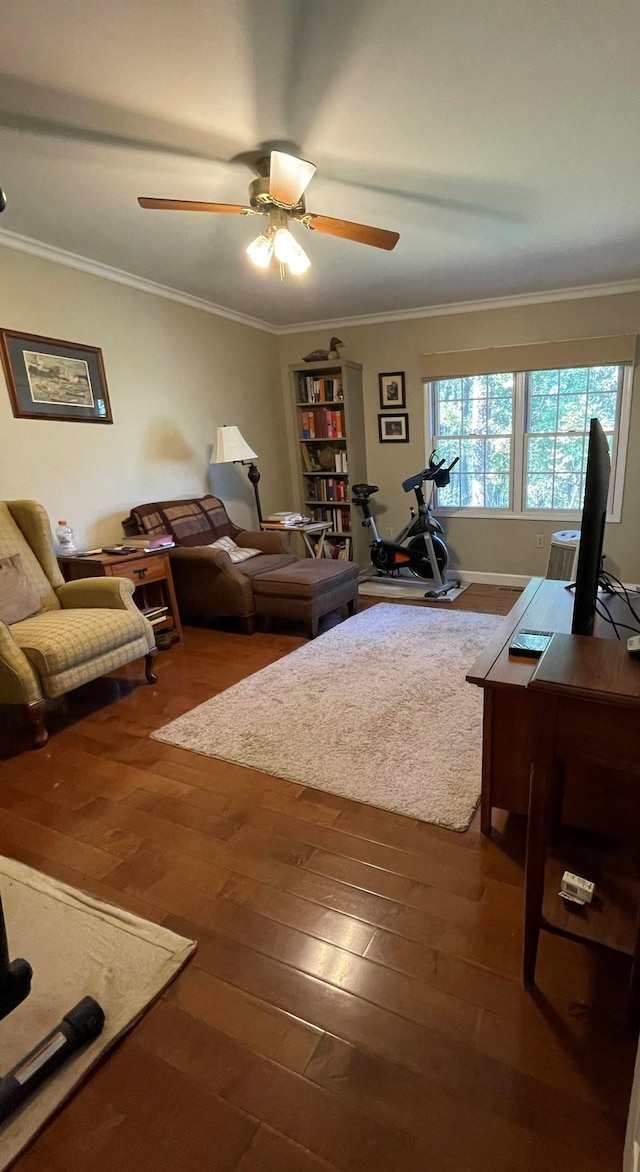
230, 447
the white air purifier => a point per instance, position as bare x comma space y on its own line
563, 555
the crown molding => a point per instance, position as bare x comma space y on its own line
97, 269
447, 309
108, 273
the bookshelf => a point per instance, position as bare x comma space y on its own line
330, 450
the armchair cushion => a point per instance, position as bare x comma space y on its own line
18, 596
59, 642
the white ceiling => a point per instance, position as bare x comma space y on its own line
500, 139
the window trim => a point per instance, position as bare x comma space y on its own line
517, 512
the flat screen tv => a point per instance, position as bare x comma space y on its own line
594, 512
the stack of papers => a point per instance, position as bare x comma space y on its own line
287, 518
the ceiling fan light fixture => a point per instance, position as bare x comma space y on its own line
284, 245
288, 252
260, 250
298, 261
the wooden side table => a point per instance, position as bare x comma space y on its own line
149, 572
586, 707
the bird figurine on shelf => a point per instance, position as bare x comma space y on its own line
324, 355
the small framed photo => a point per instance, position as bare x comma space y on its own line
394, 429
392, 394
50, 379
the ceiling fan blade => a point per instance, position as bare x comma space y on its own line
361, 233
186, 205
289, 178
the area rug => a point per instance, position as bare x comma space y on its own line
377, 709
77, 946
408, 588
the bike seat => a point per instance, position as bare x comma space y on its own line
363, 491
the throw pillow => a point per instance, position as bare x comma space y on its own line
18, 596
236, 553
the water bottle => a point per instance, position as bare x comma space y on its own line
66, 538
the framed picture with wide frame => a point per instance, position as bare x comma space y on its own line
392, 392
51, 379
394, 429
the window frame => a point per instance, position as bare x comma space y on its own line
516, 510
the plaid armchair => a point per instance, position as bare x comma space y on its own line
208, 583
72, 632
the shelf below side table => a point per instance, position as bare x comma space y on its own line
610, 920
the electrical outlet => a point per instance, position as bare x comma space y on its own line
388, 532
539, 540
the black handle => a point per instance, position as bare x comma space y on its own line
15, 976
80, 1025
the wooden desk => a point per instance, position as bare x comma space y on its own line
585, 696
149, 572
508, 705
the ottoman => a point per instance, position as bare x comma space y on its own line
306, 590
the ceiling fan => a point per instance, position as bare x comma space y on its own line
278, 194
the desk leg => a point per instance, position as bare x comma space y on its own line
633, 1007
542, 808
486, 805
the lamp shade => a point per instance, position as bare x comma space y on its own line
230, 446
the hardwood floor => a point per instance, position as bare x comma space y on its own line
355, 1000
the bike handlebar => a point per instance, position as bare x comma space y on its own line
431, 472
435, 472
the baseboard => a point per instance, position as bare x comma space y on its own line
482, 576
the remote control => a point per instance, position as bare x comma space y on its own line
530, 644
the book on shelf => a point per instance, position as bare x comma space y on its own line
155, 614
341, 462
329, 489
337, 550
310, 459
314, 389
344, 550
320, 423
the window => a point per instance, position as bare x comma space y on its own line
522, 438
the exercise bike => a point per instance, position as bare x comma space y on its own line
419, 547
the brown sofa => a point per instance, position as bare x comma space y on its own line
208, 584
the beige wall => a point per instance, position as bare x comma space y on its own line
174, 374
506, 546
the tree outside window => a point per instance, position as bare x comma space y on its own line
522, 437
